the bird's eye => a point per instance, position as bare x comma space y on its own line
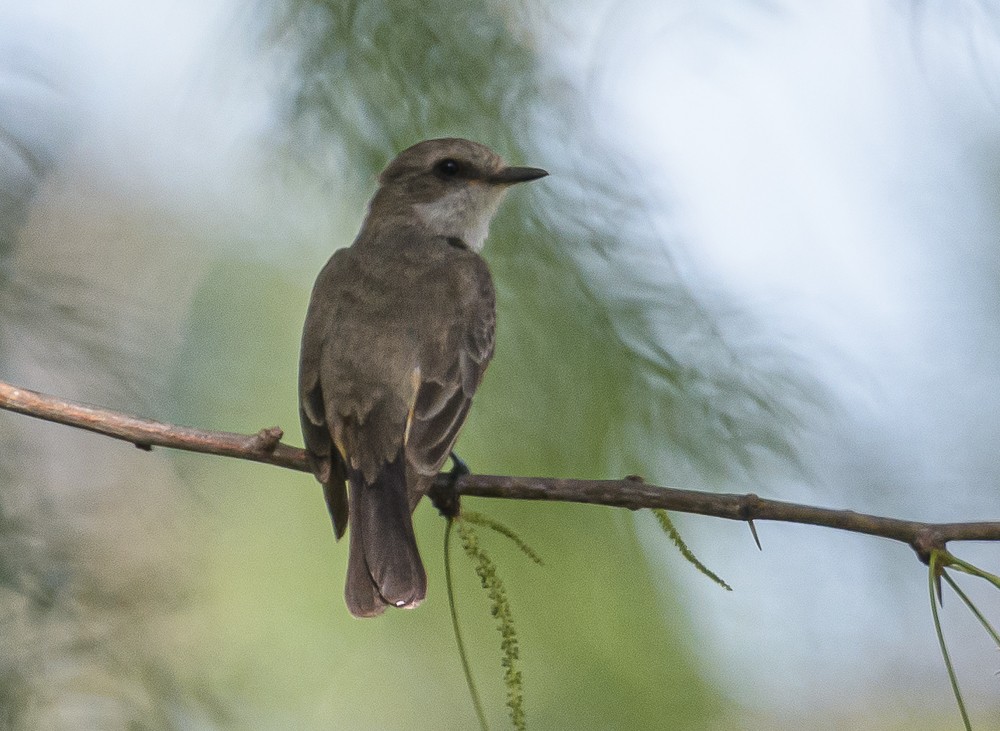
448, 168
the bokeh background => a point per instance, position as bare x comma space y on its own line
766, 260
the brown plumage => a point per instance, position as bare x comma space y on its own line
397, 337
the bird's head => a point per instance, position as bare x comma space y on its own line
453, 187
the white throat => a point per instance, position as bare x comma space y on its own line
464, 213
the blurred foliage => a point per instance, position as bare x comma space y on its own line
128, 600
30, 134
378, 76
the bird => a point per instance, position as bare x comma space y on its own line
397, 336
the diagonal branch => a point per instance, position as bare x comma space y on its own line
630, 492
264, 446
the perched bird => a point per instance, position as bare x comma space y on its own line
397, 337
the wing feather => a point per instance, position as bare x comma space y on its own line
448, 383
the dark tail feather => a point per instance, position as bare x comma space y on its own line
384, 567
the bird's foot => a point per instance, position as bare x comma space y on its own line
444, 493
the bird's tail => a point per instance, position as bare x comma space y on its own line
384, 567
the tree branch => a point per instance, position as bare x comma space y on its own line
630, 492
264, 446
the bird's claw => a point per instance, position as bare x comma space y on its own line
444, 493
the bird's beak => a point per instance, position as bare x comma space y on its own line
511, 175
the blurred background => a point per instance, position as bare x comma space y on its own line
766, 260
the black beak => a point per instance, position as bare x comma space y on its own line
509, 176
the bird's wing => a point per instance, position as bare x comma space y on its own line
452, 367
327, 464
